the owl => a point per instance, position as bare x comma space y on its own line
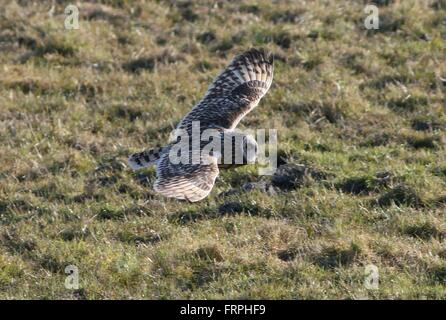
189, 173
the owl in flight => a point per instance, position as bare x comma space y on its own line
234, 93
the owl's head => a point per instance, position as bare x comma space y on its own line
249, 149
238, 148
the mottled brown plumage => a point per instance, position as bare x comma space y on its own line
234, 93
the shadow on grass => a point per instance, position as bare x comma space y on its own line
400, 195
425, 231
365, 185
230, 208
334, 257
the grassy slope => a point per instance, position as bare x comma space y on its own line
352, 103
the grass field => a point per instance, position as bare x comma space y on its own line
361, 123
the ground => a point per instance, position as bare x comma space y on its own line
361, 127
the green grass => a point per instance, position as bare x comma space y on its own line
363, 111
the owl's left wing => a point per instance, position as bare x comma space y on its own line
188, 181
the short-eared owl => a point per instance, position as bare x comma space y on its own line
234, 93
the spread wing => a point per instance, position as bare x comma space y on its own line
235, 92
189, 181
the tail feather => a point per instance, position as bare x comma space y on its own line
145, 158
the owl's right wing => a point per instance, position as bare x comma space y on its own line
235, 92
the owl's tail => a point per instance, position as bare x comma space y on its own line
146, 158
